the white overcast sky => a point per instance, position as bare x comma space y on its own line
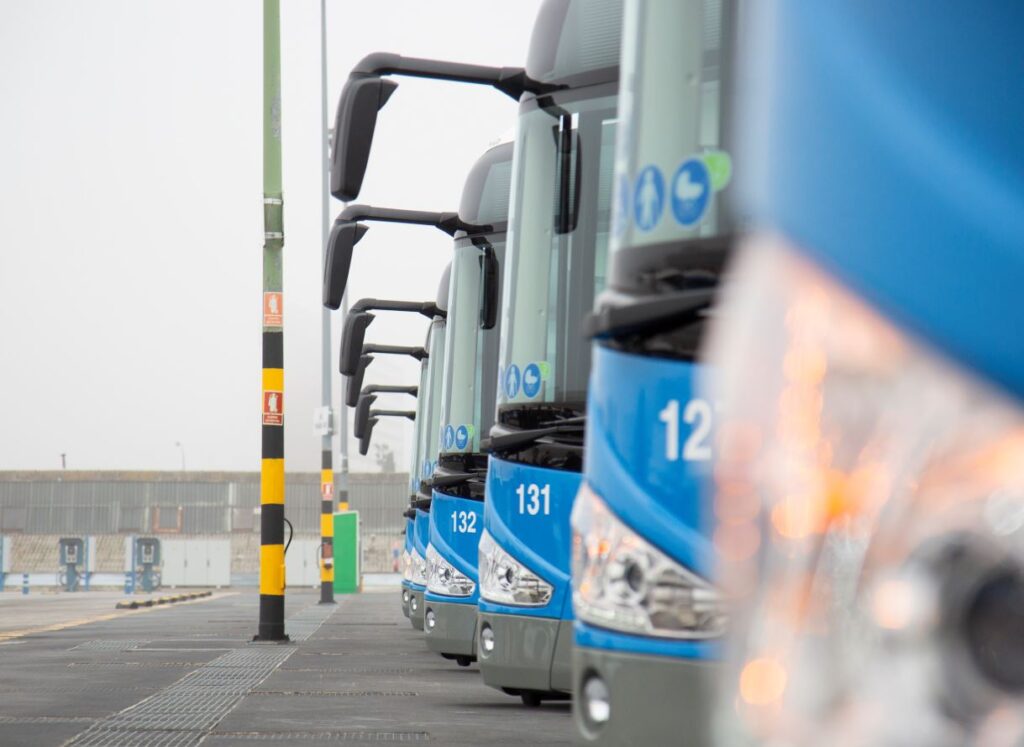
131, 213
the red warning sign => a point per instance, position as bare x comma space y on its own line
273, 309
327, 491
273, 408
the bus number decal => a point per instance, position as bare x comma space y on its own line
534, 499
696, 414
463, 522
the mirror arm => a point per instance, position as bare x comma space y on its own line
390, 389
410, 414
447, 222
512, 81
428, 309
417, 353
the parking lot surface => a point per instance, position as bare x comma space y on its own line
187, 674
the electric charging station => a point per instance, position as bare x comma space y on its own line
72, 563
147, 563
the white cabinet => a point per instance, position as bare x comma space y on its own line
302, 563
196, 562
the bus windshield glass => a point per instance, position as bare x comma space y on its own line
558, 243
672, 161
428, 430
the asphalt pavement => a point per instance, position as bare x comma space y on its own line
73, 670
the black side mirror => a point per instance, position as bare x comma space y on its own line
352, 340
490, 288
362, 416
354, 123
344, 236
364, 441
355, 382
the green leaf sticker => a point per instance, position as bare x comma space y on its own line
545, 369
470, 430
719, 165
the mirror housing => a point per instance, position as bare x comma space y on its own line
344, 236
355, 382
490, 288
354, 123
364, 441
352, 340
362, 416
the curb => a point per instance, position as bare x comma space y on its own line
133, 605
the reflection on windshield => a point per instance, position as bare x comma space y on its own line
471, 355
429, 436
558, 239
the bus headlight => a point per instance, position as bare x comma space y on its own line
406, 565
505, 580
417, 568
444, 578
622, 582
870, 503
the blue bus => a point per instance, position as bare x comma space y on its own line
466, 410
648, 617
558, 238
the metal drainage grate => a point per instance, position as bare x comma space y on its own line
321, 736
123, 645
185, 712
45, 720
340, 693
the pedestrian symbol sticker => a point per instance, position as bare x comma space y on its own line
649, 198
691, 191
273, 408
531, 380
273, 309
461, 437
449, 437
512, 381
327, 490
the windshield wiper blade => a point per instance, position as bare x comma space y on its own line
516, 440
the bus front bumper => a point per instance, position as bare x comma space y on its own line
416, 608
520, 652
647, 699
453, 630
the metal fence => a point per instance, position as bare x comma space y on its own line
88, 503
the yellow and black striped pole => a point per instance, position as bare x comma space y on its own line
271, 624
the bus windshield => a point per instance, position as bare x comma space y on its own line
428, 430
558, 242
672, 158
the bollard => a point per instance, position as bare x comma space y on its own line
24, 583
129, 582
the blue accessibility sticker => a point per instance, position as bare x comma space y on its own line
512, 381
531, 380
461, 437
649, 198
691, 191
449, 437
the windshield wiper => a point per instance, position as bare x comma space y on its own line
514, 440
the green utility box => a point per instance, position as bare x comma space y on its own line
347, 553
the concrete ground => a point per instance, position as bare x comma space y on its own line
186, 674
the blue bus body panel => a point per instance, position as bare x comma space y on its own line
421, 537
589, 636
410, 527
628, 466
884, 140
455, 527
541, 541
660, 499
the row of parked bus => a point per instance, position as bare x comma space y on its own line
555, 534
561, 531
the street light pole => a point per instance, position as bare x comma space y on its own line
272, 572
